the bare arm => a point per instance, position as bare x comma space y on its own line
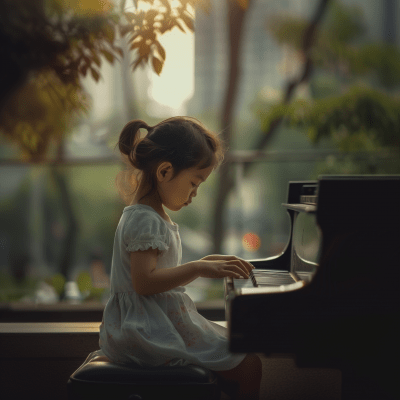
187, 283
147, 279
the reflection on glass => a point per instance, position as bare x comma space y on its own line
306, 242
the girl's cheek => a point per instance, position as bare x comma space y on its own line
180, 197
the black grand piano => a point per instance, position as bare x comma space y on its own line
332, 297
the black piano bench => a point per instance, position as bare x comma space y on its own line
100, 380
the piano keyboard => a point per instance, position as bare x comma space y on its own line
264, 278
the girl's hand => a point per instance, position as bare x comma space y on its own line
220, 266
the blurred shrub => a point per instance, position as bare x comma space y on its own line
85, 286
58, 282
215, 290
84, 282
12, 290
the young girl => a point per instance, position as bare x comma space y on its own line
149, 319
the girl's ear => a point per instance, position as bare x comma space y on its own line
164, 171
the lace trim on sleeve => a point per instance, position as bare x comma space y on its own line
139, 245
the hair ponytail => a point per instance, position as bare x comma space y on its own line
128, 180
129, 136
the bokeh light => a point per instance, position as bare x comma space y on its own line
251, 241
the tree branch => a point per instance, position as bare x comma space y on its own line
226, 182
236, 15
308, 42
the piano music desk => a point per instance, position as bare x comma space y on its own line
36, 360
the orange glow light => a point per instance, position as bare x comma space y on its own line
251, 241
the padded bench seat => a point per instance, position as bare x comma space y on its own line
99, 380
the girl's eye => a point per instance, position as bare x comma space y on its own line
193, 184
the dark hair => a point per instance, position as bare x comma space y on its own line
183, 141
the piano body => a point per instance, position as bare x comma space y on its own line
331, 298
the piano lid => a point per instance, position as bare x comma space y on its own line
358, 200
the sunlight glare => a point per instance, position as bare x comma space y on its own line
175, 85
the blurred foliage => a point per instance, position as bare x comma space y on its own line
41, 110
84, 282
13, 290
215, 290
94, 198
340, 46
57, 281
48, 46
95, 205
71, 37
361, 119
352, 100
349, 165
85, 286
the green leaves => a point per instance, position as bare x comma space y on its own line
95, 74
73, 37
109, 56
157, 65
361, 119
144, 28
130, 17
40, 112
57, 43
347, 108
188, 20
161, 50
338, 45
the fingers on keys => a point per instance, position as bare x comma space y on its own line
244, 267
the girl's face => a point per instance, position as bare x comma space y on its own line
179, 192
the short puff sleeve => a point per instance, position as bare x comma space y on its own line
143, 230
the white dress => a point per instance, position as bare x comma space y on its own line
163, 328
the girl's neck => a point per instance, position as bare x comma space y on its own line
153, 203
